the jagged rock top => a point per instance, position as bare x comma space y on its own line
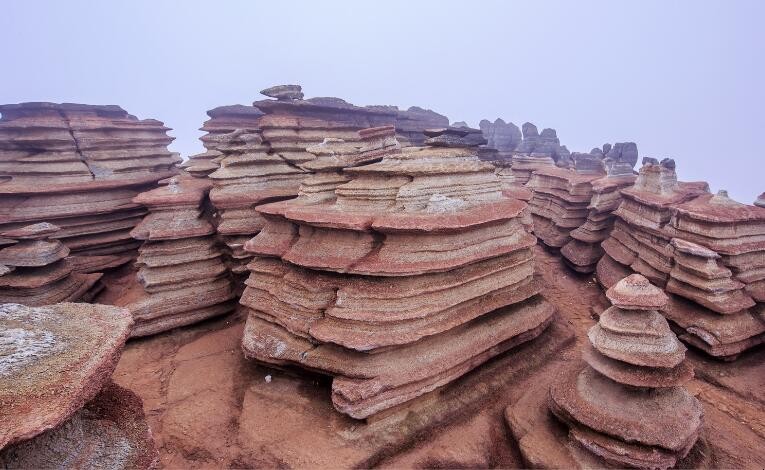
53, 360
501, 135
635, 292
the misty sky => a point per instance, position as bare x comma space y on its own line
683, 79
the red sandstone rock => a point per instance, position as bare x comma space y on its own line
55, 359
79, 166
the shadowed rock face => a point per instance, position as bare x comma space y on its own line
702, 247
396, 270
79, 166
628, 406
411, 123
38, 272
500, 135
52, 361
180, 266
110, 431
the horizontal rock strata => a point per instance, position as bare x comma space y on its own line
395, 271
79, 167
181, 268
37, 270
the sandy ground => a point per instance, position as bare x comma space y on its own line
210, 408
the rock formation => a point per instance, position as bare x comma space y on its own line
561, 198
266, 161
78, 167
627, 407
223, 120
760, 201
411, 123
55, 360
705, 248
181, 269
36, 270
502, 136
394, 277
537, 151
583, 252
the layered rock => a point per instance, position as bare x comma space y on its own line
181, 268
639, 241
583, 251
79, 166
627, 407
223, 120
394, 277
705, 248
561, 198
37, 272
502, 136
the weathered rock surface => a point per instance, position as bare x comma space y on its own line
181, 268
53, 360
79, 166
628, 407
411, 123
37, 271
110, 431
425, 232
703, 247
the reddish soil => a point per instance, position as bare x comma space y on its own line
210, 408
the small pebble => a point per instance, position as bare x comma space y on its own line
268, 379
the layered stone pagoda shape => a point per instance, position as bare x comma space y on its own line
55, 361
707, 250
79, 167
181, 269
583, 252
396, 271
223, 120
627, 407
36, 270
561, 198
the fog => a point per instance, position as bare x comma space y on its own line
683, 79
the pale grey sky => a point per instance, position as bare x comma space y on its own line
683, 79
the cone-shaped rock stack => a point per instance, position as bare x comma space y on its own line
562, 197
628, 407
395, 277
181, 269
55, 360
583, 252
223, 120
37, 272
79, 166
705, 248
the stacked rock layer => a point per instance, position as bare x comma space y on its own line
394, 277
266, 161
583, 252
627, 407
706, 250
223, 120
35, 271
59, 408
79, 167
561, 198
181, 269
